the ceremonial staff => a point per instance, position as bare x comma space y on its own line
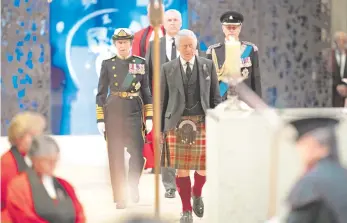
156, 16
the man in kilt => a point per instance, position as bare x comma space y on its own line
123, 95
189, 86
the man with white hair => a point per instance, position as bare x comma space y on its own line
120, 114
168, 52
143, 37
189, 86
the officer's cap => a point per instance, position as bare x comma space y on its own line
310, 125
122, 34
320, 128
231, 18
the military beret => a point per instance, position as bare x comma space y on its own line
122, 34
231, 18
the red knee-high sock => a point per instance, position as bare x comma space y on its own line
199, 182
184, 186
177, 186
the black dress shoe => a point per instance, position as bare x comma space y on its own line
198, 206
187, 217
121, 205
134, 195
170, 193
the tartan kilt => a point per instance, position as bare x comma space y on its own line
179, 155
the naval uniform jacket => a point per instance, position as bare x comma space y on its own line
249, 65
124, 76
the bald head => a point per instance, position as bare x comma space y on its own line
172, 22
340, 38
43, 146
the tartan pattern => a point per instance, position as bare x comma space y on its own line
184, 156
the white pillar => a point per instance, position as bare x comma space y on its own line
239, 164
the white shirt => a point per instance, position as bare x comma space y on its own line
169, 42
184, 63
49, 186
341, 61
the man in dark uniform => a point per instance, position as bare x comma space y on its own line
320, 196
231, 25
121, 114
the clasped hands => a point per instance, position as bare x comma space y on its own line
342, 88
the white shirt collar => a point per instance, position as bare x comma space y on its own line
169, 38
191, 61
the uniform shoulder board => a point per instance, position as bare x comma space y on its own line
139, 59
251, 44
209, 49
109, 57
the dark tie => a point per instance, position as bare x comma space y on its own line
188, 71
173, 49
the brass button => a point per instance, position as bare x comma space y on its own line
113, 67
115, 75
133, 84
116, 84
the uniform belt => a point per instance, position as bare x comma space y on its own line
125, 94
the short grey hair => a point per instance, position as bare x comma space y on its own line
326, 137
185, 33
173, 11
42, 146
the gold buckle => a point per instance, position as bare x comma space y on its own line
124, 94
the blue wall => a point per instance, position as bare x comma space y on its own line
80, 34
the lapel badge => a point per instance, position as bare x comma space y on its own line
137, 86
60, 194
245, 73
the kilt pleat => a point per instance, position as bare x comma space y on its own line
179, 155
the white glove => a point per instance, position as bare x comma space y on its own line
149, 125
101, 128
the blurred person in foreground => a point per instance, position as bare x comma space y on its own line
37, 196
189, 86
20, 133
320, 195
124, 107
144, 36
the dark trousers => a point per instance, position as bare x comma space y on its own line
168, 177
124, 128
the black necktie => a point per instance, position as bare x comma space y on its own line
173, 49
188, 71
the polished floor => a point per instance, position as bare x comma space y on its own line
94, 190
